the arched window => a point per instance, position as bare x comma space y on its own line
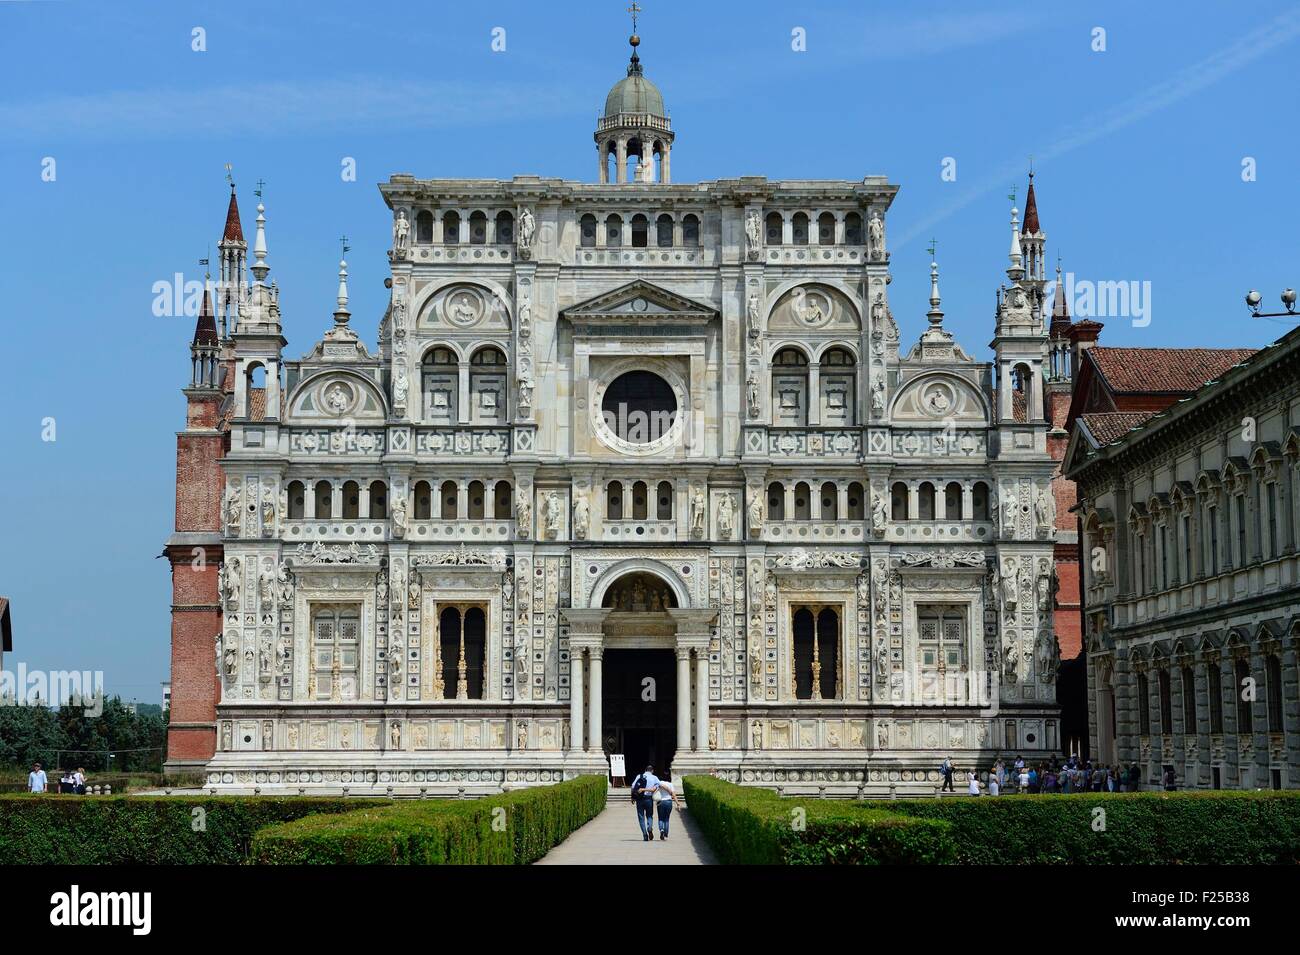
475, 630
826, 228
477, 228
775, 226
424, 226
830, 501
640, 231
477, 501
952, 501
690, 230
898, 501
613, 232
441, 385
505, 228
1245, 721
1143, 705
1273, 691
503, 500
776, 501
925, 502
664, 231
449, 495
1166, 702
297, 501
857, 502
614, 501
462, 643
633, 167
838, 376
255, 391
664, 501
815, 639
1188, 680
587, 229
378, 500
351, 500
979, 499
1020, 391
790, 388
423, 510
639, 501
802, 502
799, 229
853, 229
1214, 696
451, 227
324, 499
487, 386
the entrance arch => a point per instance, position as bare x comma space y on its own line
638, 565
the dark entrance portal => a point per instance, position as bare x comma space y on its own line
639, 707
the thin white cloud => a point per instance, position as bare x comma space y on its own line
276, 109
1192, 79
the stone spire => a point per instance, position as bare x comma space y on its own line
1016, 271
260, 268
341, 331
935, 315
260, 314
232, 288
205, 344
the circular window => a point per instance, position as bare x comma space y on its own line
639, 408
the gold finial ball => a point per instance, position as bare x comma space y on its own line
634, 40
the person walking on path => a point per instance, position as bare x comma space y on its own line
643, 788
666, 796
946, 768
36, 779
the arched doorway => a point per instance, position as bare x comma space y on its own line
639, 691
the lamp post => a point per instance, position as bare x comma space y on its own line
1253, 298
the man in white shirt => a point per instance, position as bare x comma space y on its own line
643, 788
36, 781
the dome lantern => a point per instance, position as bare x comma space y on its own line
634, 124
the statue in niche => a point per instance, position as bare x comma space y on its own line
755, 734
1045, 509
1007, 584
1009, 508
463, 311
527, 229
268, 506
266, 588
876, 237
291, 736
878, 396
521, 734
401, 232
399, 517
284, 504
581, 515
381, 593
336, 399
753, 394
756, 671
1011, 662
726, 516
882, 735
525, 394
809, 310
525, 320
1048, 654
882, 663
755, 512
552, 513
234, 507
879, 513
413, 595
753, 233
697, 511
523, 513
400, 387
399, 313
751, 310
284, 583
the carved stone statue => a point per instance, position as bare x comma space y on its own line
400, 387
882, 734
1009, 508
525, 320
268, 507
234, 508
878, 396
882, 663
1011, 662
395, 735
756, 671
401, 231
755, 512
523, 514
1045, 509
525, 394
751, 310
1008, 584
1047, 655
553, 514
581, 514
266, 588
521, 734
399, 517
879, 513
726, 516
875, 237
697, 511
527, 229
753, 233
754, 397
413, 594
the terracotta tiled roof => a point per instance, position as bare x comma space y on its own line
256, 403
1164, 370
234, 231
1109, 426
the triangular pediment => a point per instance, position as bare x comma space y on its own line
636, 301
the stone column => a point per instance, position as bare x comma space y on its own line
621, 159
665, 165
575, 698
462, 393
701, 700
594, 707
694, 633
683, 698
603, 168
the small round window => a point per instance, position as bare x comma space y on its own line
639, 407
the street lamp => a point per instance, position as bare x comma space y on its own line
1253, 298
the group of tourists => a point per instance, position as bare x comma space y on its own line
1074, 775
71, 781
650, 793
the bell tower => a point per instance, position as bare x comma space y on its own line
634, 125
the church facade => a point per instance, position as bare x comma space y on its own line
635, 467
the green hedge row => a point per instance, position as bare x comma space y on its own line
748, 826
512, 829
161, 830
1124, 828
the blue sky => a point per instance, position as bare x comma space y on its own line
1138, 149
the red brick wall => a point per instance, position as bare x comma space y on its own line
199, 483
1066, 618
195, 689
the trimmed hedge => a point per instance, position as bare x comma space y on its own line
747, 826
529, 822
152, 830
1219, 827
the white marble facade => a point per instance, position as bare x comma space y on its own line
434, 549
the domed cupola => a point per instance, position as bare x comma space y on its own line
634, 126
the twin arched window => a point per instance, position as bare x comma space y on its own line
487, 386
795, 400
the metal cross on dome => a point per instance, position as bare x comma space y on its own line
634, 10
